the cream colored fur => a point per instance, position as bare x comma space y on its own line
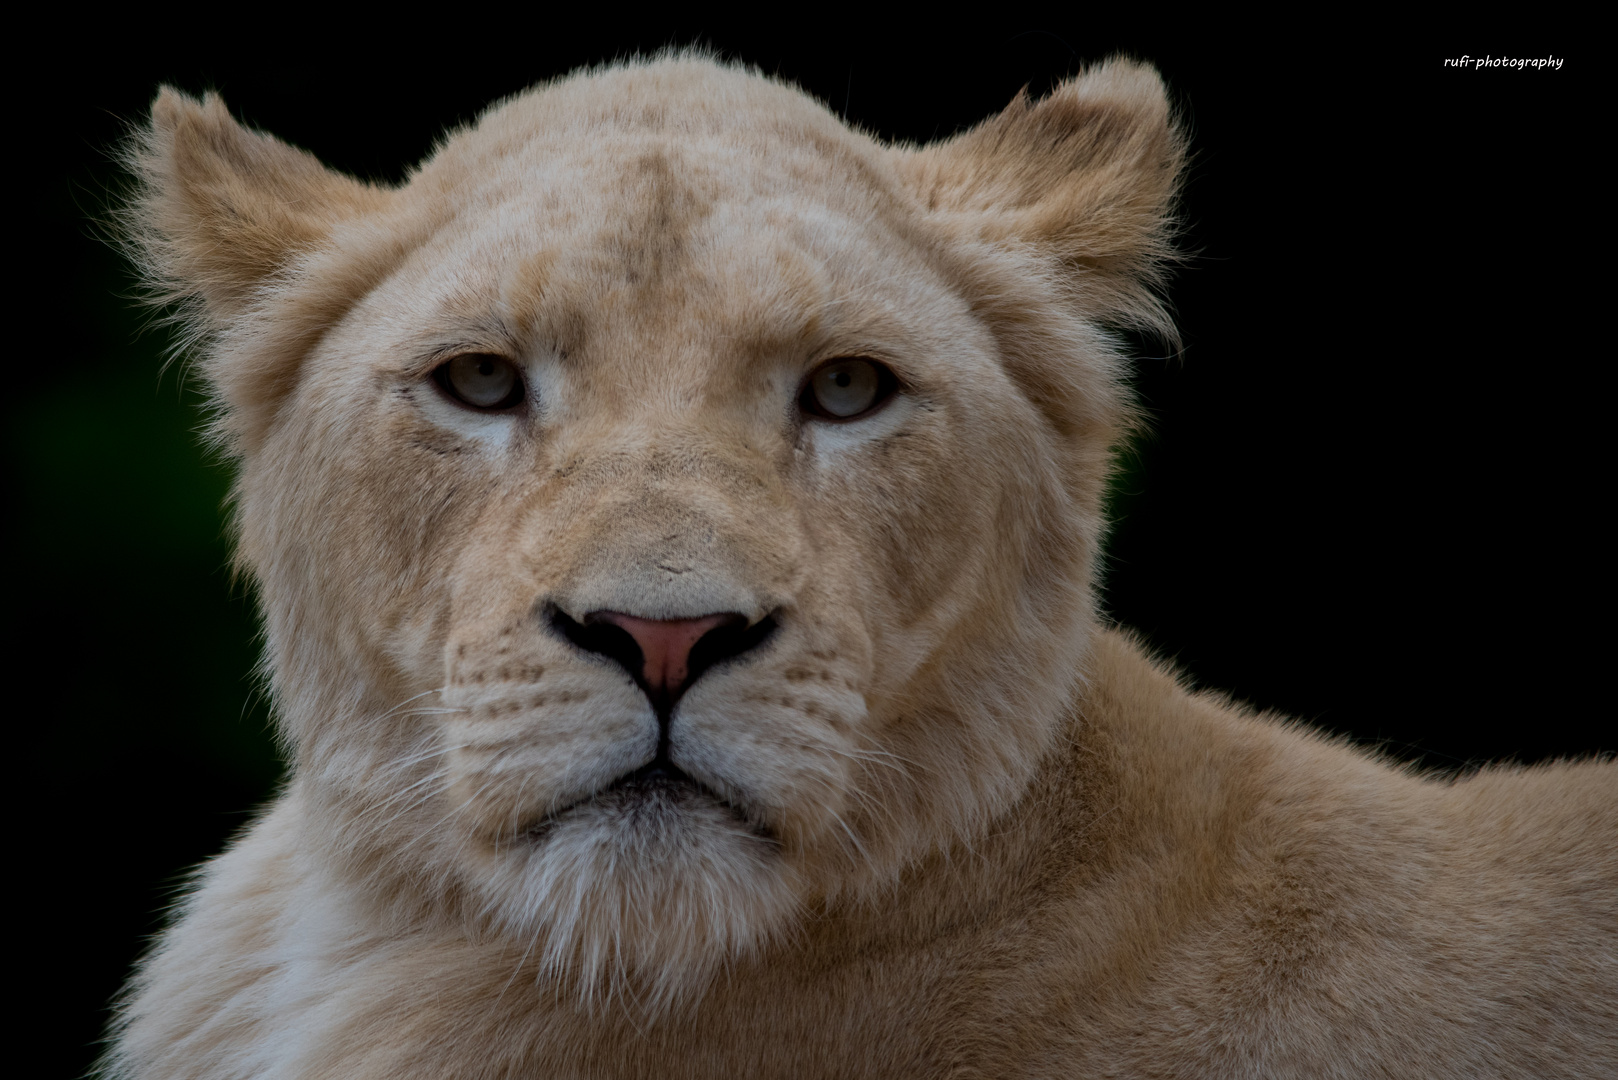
954, 824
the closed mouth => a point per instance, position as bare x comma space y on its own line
658, 785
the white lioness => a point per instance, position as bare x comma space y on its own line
675, 516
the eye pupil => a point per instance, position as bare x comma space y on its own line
486, 366
848, 388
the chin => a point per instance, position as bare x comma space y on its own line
641, 894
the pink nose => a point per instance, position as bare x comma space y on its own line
665, 645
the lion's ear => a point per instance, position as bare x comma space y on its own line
222, 210
1087, 174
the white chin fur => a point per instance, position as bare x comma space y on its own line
641, 897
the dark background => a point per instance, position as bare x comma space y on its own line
1370, 499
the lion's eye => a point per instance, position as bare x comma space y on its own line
844, 389
481, 380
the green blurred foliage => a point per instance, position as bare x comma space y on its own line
120, 522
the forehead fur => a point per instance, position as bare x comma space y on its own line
669, 172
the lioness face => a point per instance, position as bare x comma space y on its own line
633, 509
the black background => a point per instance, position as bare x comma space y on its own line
1371, 498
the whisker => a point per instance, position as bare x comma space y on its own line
416, 697
427, 755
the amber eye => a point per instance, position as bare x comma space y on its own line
846, 388
481, 380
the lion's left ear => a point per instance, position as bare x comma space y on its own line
1087, 174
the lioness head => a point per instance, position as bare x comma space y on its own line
674, 512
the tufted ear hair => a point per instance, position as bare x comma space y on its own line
221, 211
1087, 175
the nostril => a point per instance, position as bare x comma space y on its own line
602, 638
725, 641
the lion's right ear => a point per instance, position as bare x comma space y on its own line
222, 210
